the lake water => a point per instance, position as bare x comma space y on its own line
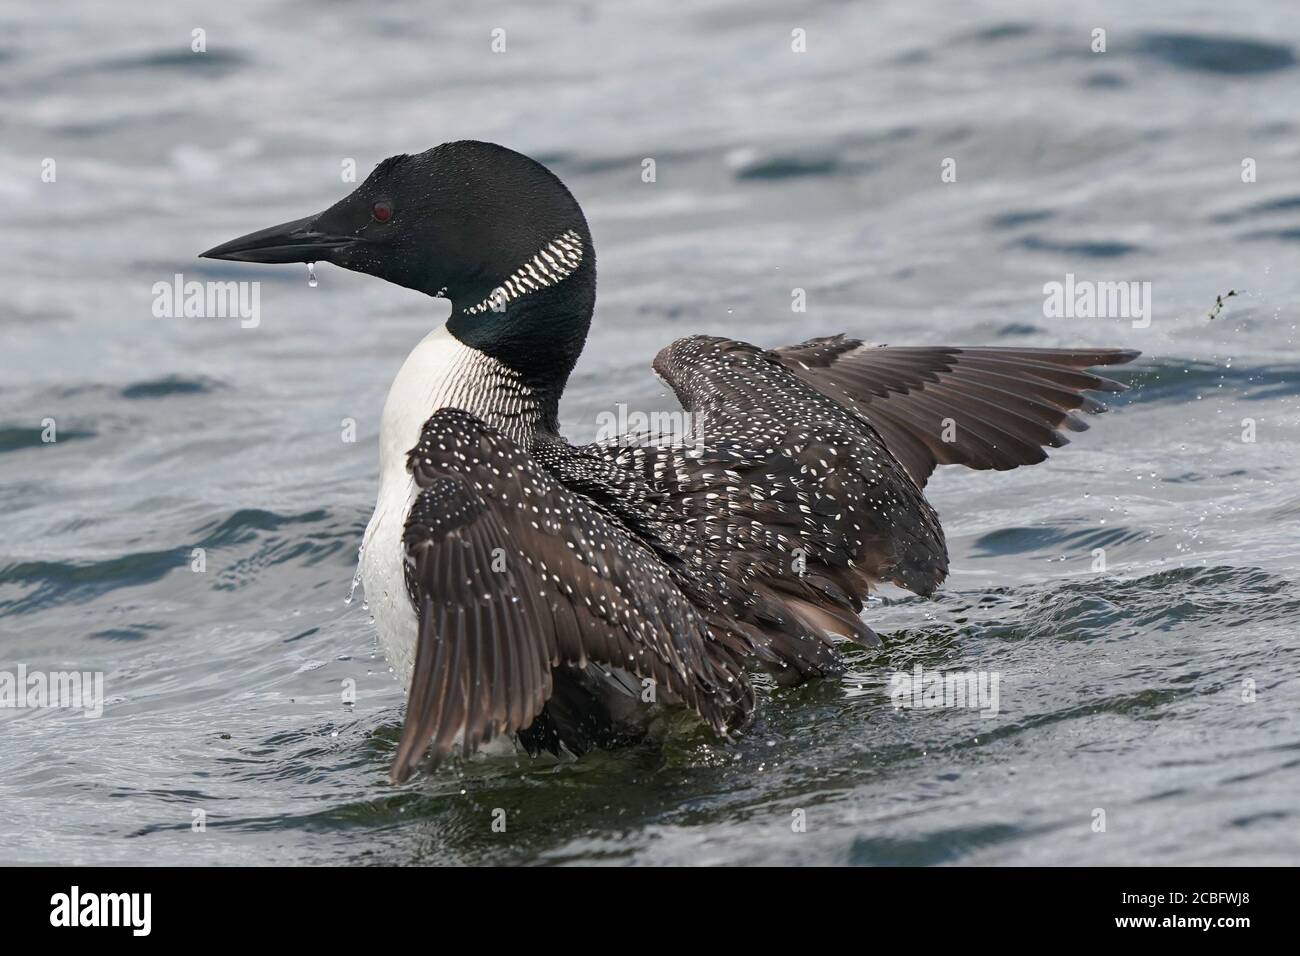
1163, 691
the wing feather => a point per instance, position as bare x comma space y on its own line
818, 452
512, 575
986, 408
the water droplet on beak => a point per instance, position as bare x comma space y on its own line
311, 274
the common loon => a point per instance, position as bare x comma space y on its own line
525, 586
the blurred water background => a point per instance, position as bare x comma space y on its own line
1127, 691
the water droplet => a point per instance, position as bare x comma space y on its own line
356, 579
311, 274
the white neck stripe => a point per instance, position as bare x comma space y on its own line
555, 262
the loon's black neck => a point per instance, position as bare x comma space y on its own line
539, 333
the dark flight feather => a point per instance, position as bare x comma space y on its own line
1005, 405
507, 566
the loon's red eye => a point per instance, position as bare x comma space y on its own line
382, 211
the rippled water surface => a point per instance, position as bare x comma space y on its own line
1128, 691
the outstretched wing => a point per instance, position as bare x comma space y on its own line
800, 484
784, 502
979, 407
511, 575
775, 453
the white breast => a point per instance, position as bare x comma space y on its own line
440, 372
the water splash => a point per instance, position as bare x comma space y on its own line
356, 578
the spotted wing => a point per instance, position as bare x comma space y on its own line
985, 408
774, 453
785, 502
511, 575
741, 577
799, 485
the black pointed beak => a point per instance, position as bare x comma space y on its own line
297, 241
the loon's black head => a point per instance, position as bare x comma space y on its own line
495, 232
454, 221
